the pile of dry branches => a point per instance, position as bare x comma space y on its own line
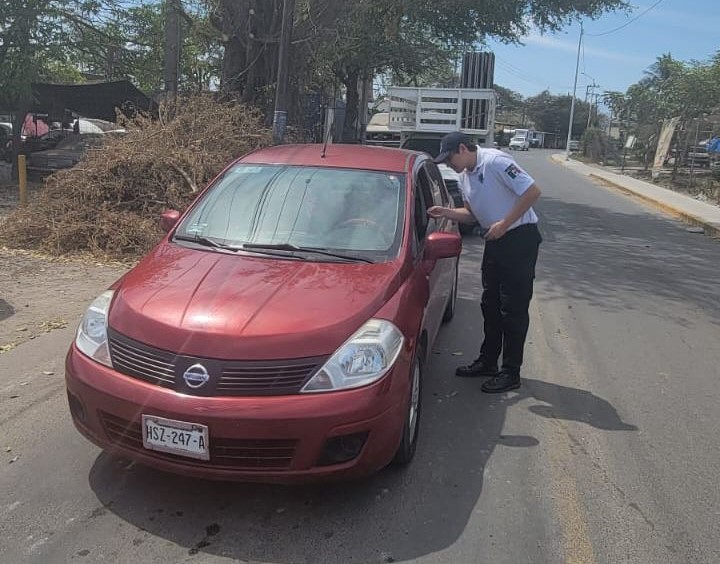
109, 204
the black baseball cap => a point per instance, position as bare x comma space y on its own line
450, 144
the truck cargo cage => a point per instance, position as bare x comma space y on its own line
441, 110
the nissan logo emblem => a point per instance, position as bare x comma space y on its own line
196, 376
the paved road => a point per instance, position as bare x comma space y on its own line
607, 454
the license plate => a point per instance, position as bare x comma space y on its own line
176, 437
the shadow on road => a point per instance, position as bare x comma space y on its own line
396, 515
6, 310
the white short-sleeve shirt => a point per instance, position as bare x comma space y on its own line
494, 186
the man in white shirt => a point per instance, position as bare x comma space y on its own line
499, 195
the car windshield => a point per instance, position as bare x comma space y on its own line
355, 212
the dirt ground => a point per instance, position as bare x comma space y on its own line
39, 294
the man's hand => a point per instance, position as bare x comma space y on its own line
462, 215
437, 212
497, 230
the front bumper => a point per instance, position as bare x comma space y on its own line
269, 439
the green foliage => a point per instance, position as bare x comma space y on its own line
552, 114
595, 144
510, 103
670, 88
235, 42
66, 40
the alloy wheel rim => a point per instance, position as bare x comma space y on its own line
414, 402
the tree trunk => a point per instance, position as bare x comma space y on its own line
18, 122
352, 98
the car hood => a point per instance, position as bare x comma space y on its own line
228, 306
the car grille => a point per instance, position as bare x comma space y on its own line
260, 378
139, 361
238, 454
228, 377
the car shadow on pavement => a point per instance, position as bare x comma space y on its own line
397, 515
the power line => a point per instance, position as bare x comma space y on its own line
519, 75
655, 5
517, 72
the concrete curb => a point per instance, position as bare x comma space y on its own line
675, 204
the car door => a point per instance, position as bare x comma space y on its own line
446, 268
425, 226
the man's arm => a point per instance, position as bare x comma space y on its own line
525, 202
461, 215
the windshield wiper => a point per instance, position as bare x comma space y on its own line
204, 241
208, 242
295, 248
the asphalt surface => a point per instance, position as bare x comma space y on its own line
608, 453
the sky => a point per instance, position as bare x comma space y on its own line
688, 29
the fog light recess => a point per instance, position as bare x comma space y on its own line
342, 449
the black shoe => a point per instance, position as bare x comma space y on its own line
503, 382
476, 369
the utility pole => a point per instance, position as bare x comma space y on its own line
284, 56
572, 107
593, 102
172, 48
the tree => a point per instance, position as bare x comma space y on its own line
552, 114
511, 106
347, 40
670, 88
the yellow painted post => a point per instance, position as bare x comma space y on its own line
22, 179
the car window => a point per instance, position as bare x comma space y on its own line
425, 145
325, 208
423, 200
439, 192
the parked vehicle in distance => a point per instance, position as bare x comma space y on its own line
378, 131
697, 156
66, 154
46, 141
518, 143
6, 148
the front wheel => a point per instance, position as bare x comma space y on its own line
408, 443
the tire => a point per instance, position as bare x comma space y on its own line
408, 443
450, 308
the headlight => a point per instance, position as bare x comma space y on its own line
363, 359
92, 334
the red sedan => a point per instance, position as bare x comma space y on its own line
280, 330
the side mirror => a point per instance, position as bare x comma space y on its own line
442, 245
168, 219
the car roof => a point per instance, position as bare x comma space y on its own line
360, 157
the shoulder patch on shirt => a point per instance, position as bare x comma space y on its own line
513, 171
